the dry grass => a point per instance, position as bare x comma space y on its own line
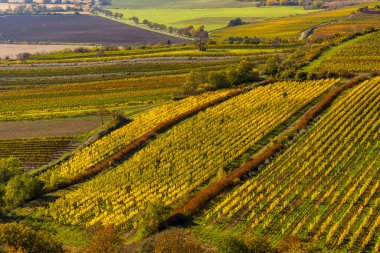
12, 50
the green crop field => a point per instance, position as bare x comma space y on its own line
211, 18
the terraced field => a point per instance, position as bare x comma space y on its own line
324, 188
183, 158
357, 23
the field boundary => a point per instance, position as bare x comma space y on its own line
195, 203
309, 32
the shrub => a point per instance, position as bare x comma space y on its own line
9, 167
176, 240
218, 79
301, 76
22, 188
104, 239
24, 56
19, 238
152, 219
235, 22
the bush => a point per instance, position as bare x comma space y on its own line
301, 76
22, 188
218, 79
9, 167
24, 56
104, 239
176, 241
272, 66
19, 238
235, 22
231, 243
152, 219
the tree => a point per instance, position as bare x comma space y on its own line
20, 238
272, 65
193, 80
9, 167
152, 219
236, 22
245, 72
218, 79
135, 19
200, 35
22, 188
104, 239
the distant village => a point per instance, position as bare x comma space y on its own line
49, 6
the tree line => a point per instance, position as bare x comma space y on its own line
188, 31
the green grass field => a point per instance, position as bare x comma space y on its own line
211, 18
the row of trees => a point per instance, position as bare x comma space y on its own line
198, 81
188, 31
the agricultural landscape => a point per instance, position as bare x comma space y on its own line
190, 126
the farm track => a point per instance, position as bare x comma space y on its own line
309, 32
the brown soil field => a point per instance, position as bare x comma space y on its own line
12, 50
76, 29
47, 128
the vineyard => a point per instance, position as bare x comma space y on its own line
185, 157
35, 153
354, 24
259, 136
359, 56
110, 144
284, 28
324, 188
78, 99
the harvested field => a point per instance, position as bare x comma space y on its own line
75, 29
12, 50
47, 128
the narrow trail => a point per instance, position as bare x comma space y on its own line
309, 32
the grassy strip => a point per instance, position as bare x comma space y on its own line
129, 150
196, 202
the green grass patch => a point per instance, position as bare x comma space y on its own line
211, 18
328, 54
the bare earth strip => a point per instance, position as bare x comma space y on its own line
12, 50
47, 128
